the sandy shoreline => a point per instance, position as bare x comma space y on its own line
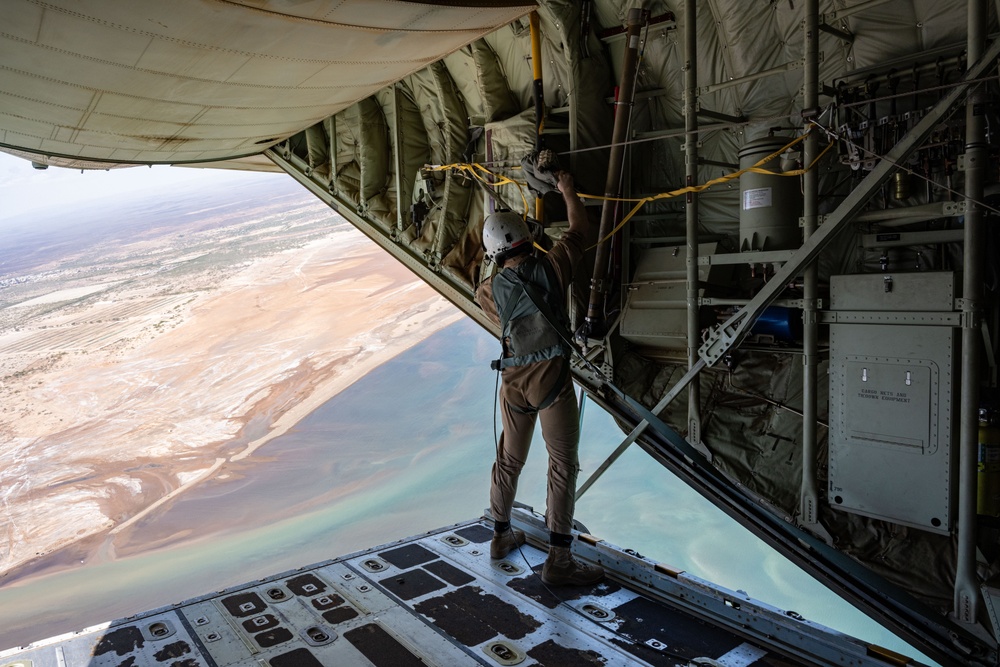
97, 437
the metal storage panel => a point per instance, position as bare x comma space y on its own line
656, 311
890, 452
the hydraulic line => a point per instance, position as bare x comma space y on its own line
594, 321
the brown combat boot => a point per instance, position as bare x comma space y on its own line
505, 542
561, 569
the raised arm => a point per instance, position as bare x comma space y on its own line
575, 212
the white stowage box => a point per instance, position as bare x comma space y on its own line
892, 371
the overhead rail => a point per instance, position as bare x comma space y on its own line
762, 74
839, 14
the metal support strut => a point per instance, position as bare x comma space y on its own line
691, 210
976, 154
612, 189
642, 426
809, 508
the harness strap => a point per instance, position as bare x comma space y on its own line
532, 293
552, 395
529, 290
508, 310
512, 302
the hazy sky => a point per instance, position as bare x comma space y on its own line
25, 190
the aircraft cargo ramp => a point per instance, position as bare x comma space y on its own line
438, 599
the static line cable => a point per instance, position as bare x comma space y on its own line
765, 120
477, 169
715, 127
704, 129
757, 167
911, 93
743, 391
488, 186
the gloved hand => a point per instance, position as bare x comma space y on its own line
540, 170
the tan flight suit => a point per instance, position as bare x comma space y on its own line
529, 386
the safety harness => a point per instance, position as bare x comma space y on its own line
533, 323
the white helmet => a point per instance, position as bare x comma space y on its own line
503, 232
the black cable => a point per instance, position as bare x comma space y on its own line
496, 402
503, 498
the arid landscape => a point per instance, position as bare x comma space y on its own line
140, 362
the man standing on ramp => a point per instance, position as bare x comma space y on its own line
527, 298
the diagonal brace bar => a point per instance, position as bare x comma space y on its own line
641, 426
726, 335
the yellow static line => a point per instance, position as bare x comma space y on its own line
478, 171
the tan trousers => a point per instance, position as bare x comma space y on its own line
561, 431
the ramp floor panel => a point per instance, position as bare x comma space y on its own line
438, 599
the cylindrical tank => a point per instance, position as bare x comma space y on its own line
770, 204
988, 497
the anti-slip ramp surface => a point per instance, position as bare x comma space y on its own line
438, 599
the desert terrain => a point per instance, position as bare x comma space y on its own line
140, 363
